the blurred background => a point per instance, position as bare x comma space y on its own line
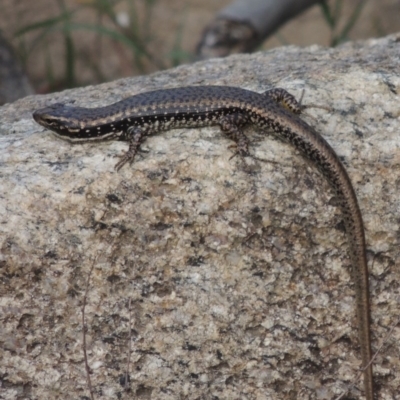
50, 45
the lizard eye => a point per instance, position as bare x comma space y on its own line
48, 121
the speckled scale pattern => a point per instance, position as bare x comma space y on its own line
147, 113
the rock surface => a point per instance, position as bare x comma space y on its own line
202, 277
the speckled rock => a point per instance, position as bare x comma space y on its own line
202, 276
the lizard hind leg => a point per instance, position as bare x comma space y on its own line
288, 101
285, 99
231, 125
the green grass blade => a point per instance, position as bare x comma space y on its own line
47, 23
326, 12
113, 34
351, 21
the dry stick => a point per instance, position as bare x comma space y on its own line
87, 368
384, 341
130, 345
244, 24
